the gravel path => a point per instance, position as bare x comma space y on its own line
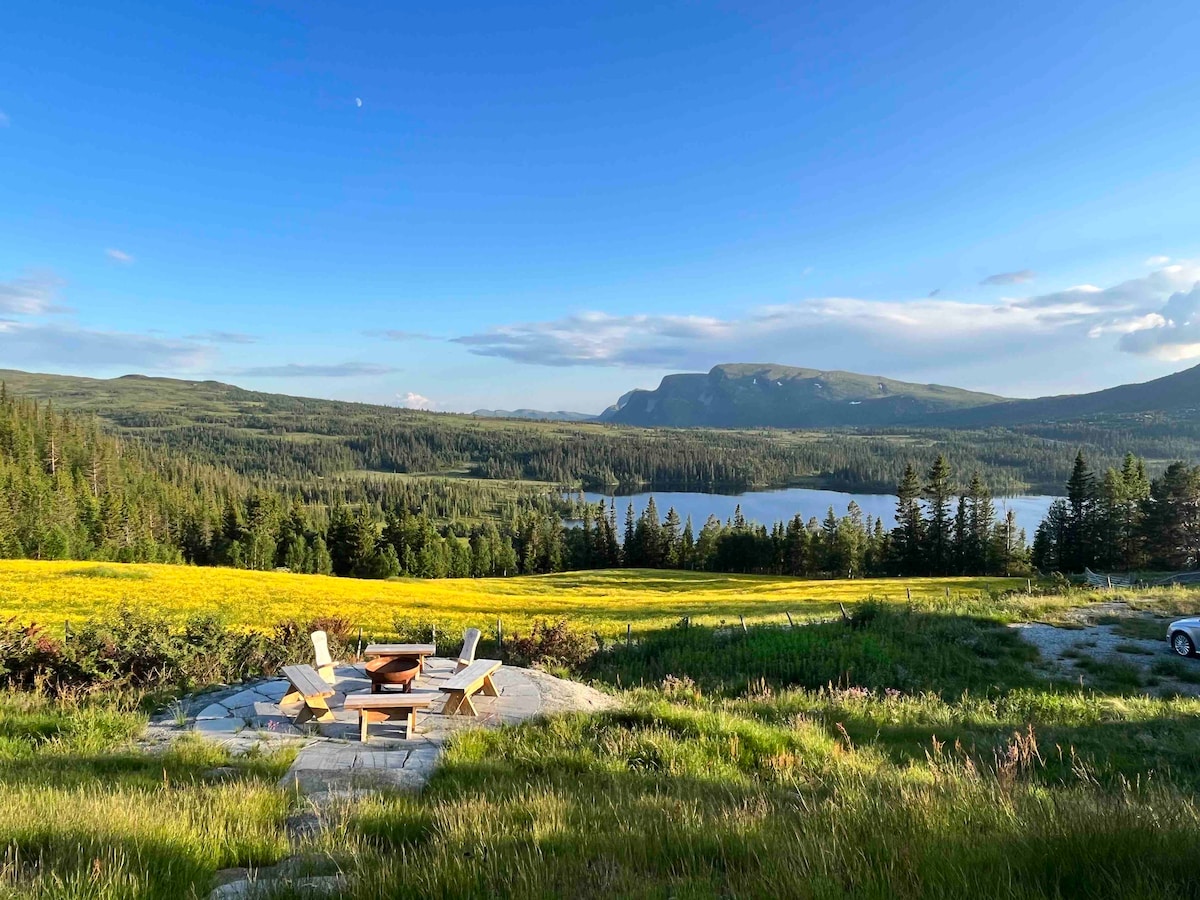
1064, 648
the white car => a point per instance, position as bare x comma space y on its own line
1184, 635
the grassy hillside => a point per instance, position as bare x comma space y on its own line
1178, 393
324, 446
51, 593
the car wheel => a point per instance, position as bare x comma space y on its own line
1182, 644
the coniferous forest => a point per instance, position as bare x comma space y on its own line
70, 489
1123, 520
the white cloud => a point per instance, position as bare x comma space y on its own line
118, 255
1158, 260
34, 344
1172, 333
831, 332
1010, 277
313, 370
396, 334
411, 400
223, 337
32, 295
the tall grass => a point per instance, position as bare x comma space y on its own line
914, 753
897, 647
670, 801
85, 814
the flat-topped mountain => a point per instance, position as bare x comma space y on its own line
749, 395
558, 415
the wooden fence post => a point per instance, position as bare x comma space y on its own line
628, 634
947, 593
500, 634
1029, 586
359, 641
908, 591
791, 624
743, 618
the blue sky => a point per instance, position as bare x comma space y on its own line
497, 204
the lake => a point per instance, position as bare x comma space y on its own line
768, 507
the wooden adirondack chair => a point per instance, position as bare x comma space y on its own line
466, 655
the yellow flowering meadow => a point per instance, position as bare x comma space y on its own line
51, 593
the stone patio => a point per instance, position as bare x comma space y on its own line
332, 758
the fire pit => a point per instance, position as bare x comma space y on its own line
393, 671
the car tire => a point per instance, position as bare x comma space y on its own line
1182, 644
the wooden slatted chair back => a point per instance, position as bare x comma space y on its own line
466, 655
324, 661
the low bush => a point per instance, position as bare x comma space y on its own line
148, 652
28, 654
552, 646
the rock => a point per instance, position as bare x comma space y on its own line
228, 876
213, 711
218, 726
316, 886
272, 690
303, 825
247, 697
221, 773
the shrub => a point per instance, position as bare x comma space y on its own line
28, 655
146, 652
552, 645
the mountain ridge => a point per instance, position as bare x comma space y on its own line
558, 415
734, 395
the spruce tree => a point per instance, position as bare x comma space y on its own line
939, 540
908, 537
1080, 549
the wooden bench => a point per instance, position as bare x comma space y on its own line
309, 688
382, 707
461, 685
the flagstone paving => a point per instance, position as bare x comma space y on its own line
332, 758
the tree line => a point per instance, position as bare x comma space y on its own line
1123, 520
70, 490
934, 533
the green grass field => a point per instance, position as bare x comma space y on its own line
916, 751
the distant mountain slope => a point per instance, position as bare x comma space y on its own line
558, 415
1177, 393
761, 395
